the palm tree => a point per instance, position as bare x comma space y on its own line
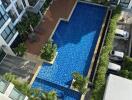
80, 82
49, 95
9, 77
34, 94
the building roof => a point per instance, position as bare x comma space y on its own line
24, 69
118, 88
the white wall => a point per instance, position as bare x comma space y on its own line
6, 48
27, 3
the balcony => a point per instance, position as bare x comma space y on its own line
13, 15
6, 3
19, 7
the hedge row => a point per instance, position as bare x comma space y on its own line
126, 70
100, 78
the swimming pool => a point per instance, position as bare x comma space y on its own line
76, 40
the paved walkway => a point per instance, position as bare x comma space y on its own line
58, 9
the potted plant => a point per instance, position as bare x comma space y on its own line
49, 95
48, 51
20, 49
80, 82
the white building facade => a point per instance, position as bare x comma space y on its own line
7, 32
9, 92
15, 9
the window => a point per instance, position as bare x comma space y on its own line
8, 33
6, 3
3, 16
2, 10
3, 85
16, 95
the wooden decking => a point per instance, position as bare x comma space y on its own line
58, 9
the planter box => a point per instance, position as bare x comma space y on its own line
51, 62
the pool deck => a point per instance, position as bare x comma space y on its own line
58, 9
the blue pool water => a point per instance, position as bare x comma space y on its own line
76, 41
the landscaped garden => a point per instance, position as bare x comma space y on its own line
100, 79
80, 82
126, 70
48, 51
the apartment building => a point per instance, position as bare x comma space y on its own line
127, 4
7, 32
9, 92
15, 9
11, 12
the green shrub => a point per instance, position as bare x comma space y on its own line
127, 63
9, 77
20, 49
100, 79
45, 6
124, 73
49, 95
23, 87
80, 82
130, 75
48, 51
23, 26
127, 68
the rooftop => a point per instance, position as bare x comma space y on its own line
118, 88
24, 69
